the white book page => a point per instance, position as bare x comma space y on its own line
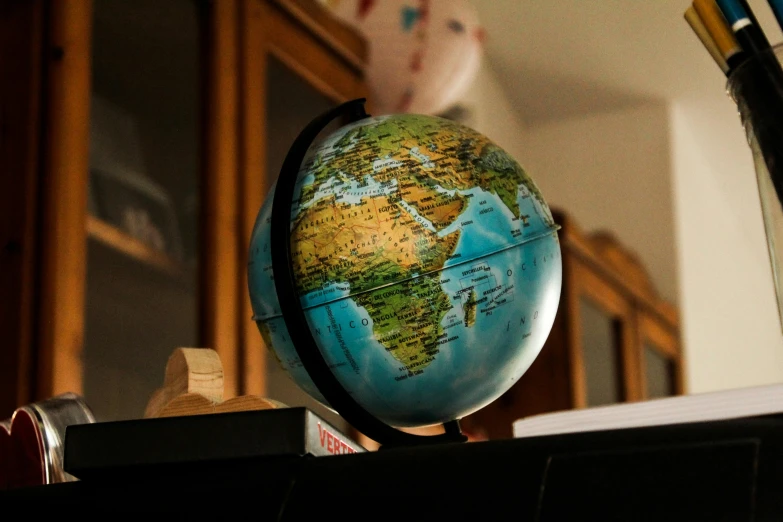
731, 404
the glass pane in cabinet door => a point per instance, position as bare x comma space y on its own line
141, 299
601, 347
290, 105
658, 372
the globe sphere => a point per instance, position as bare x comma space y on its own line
427, 263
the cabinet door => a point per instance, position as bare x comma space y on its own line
298, 63
128, 267
143, 201
661, 362
604, 366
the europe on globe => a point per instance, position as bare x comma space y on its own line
426, 261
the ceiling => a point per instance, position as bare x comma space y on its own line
560, 58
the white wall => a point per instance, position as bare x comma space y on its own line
731, 332
492, 113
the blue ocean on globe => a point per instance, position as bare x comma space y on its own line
430, 268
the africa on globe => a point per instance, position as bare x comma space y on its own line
426, 261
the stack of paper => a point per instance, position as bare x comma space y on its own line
731, 404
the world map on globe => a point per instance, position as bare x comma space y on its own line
427, 263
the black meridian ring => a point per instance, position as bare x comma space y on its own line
291, 308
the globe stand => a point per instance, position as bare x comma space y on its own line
291, 308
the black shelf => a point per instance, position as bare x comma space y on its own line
725, 470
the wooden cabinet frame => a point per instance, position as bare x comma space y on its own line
65, 150
220, 267
587, 285
664, 341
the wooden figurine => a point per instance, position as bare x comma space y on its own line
193, 385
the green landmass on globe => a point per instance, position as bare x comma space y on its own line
379, 240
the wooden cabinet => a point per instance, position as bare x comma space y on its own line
613, 340
143, 138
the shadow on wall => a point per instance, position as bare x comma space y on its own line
560, 97
612, 170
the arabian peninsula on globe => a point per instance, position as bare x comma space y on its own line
427, 263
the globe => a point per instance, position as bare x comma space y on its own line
426, 262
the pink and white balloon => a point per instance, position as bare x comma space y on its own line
424, 54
